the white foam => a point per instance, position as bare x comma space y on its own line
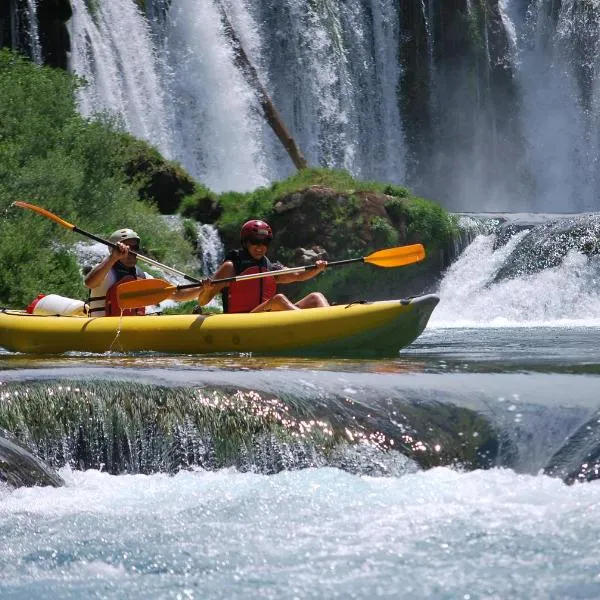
567, 295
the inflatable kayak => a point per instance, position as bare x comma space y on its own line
360, 330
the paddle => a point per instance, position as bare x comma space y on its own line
56, 219
143, 292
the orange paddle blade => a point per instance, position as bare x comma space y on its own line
397, 257
45, 213
143, 292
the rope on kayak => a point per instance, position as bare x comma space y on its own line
357, 302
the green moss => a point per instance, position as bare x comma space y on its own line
428, 221
384, 233
239, 207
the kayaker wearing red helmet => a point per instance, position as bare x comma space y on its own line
257, 295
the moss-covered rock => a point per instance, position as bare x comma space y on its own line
203, 205
317, 215
160, 181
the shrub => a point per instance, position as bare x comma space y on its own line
384, 233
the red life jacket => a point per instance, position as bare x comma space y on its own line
112, 302
243, 296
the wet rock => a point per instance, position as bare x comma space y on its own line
308, 256
54, 35
18, 467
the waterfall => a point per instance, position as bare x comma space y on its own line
560, 129
525, 273
210, 248
334, 73
219, 133
34, 36
495, 106
112, 49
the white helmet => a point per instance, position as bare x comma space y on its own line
121, 235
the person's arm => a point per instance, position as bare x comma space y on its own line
321, 265
185, 295
209, 290
97, 275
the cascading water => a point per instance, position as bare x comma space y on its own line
112, 50
543, 275
559, 104
210, 248
218, 132
333, 76
34, 36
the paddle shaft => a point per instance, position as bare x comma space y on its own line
133, 253
57, 219
152, 291
291, 270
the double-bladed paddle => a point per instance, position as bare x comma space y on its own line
56, 219
143, 292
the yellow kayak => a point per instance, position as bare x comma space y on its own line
360, 330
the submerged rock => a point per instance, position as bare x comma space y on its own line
18, 467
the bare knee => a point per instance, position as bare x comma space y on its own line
282, 301
313, 300
277, 302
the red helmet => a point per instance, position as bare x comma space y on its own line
255, 229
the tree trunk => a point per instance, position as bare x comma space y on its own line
270, 112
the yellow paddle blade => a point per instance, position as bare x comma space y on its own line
397, 257
143, 292
45, 213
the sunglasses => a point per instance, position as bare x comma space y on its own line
135, 247
259, 241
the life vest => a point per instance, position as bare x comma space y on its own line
103, 299
243, 296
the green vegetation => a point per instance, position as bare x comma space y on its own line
52, 157
185, 308
384, 233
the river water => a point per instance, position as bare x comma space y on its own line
492, 495
326, 532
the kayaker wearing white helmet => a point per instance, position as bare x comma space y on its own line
119, 267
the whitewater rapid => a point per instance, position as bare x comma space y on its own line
315, 533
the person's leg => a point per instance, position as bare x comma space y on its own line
314, 300
276, 303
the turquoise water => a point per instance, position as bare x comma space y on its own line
307, 534
324, 532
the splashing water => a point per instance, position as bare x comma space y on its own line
568, 294
219, 129
112, 50
211, 248
318, 533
